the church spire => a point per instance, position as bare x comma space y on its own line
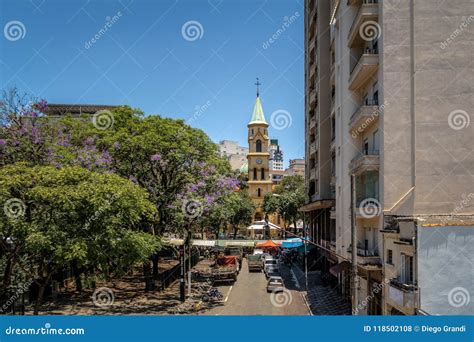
257, 115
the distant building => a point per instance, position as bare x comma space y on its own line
235, 154
276, 156
297, 167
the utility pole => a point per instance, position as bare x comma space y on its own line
355, 279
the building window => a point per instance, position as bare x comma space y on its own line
254, 173
262, 174
390, 257
259, 192
259, 145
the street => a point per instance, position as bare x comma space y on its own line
248, 296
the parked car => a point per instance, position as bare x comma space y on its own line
270, 266
254, 263
275, 284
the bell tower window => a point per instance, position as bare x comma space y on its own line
259, 192
254, 173
262, 174
258, 145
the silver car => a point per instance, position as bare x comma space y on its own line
275, 284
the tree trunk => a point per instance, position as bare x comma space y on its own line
77, 276
42, 285
148, 276
296, 229
7, 275
154, 260
235, 227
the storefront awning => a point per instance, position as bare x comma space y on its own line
204, 243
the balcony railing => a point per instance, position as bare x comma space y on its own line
363, 117
401, 294
366, 67
364, 153
403, 285
360, 60
369, 10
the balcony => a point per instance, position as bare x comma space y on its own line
312, 97
312, 148
365, 69
313, 172
402, 295
368, 11
364, 117
312, 71
312, 124
366, 257
367, 160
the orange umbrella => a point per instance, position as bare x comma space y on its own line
268, 244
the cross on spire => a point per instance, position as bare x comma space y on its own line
258, 84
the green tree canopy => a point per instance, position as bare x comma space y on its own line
54, 216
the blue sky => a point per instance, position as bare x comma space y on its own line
144, 59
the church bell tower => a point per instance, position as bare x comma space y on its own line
259, 181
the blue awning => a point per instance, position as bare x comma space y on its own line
292, 243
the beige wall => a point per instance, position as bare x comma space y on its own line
420, 148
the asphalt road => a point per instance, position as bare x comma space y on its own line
248, 296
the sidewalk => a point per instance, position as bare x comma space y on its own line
322, 300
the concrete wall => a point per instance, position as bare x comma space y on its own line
420, 147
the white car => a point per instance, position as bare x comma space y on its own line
275, 284
270, 266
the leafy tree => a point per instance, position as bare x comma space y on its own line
286, 199
53, 217
241, 209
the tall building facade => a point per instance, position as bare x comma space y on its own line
296, 167
259, 180
387, 163
235, 154
276, 156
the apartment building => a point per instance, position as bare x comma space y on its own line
236, 154
276, 156
387, 129
296, 167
